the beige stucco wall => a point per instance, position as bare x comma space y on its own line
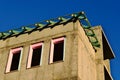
66, 69
100, 62
81, 62
86, 57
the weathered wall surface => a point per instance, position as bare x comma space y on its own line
99, 55
81, 62
100, 62
86, 57
64, 70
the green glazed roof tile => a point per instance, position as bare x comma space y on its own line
5, 35
26, 29
89, 32
39, 25
95, 44
15, 31
63, 19
93, 39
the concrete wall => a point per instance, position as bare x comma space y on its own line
64, 70
81, 61
100, 62
86, 57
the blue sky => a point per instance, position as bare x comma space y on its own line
17, 13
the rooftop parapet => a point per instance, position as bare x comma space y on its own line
52, 23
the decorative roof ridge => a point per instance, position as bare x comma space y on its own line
52, 23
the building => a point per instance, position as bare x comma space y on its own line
64, 48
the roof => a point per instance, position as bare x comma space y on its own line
52, 23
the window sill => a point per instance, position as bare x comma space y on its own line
56, 62
34, 67
11, 71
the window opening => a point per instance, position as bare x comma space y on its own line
36, 56
35, 53
14, 59
57, 50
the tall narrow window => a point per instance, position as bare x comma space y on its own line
14, 59
57, 50
34, 58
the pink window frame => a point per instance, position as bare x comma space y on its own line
55, 41
12, 51
33, 46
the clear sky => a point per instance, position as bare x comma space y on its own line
17, 13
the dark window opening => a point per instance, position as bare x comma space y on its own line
58, 51
36, 56
15, 61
